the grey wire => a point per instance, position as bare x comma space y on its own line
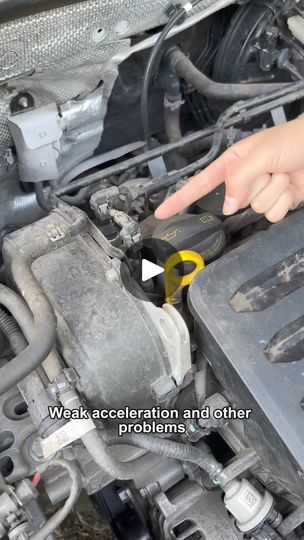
76, 484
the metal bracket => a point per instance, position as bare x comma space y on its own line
36, 135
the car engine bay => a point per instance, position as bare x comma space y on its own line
157, 365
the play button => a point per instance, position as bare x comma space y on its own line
154, 270
150, 270
143, 272
162, 280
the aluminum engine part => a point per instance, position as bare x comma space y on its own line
249, 312
123, 349
193, 511
83, 117
17, 438
14, 520
37, 134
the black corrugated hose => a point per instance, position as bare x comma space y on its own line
43, 337
12, 332
199, 455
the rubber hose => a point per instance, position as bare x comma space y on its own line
182, 66
199, 455
51, 365
173, 132
172, 123
166, 181
12, 332
41, 197
55, 521
42, 341
98, 449
17, 208
17, 341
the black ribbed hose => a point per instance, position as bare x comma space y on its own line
44, 335
199, 455
12, 332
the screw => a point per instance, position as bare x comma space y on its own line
123, 495
23, 102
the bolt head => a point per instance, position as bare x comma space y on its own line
36, 449
23, 102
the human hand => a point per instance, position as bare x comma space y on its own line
265, 171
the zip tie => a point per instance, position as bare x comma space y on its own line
173, 105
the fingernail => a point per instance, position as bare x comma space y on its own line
230, 206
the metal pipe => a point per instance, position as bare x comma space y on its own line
239, 111
262, 104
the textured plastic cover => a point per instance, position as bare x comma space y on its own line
249, 306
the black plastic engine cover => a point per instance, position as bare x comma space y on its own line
249, 309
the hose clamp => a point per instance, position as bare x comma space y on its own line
173, 105
188, 7
67, 380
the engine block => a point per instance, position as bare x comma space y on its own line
249, 312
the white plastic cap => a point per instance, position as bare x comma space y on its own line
247, 505
296, 27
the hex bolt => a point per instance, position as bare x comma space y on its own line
123, 495
36, 449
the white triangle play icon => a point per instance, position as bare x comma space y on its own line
150, 270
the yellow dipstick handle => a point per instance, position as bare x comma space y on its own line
174, 284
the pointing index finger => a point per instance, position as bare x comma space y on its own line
198, 186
